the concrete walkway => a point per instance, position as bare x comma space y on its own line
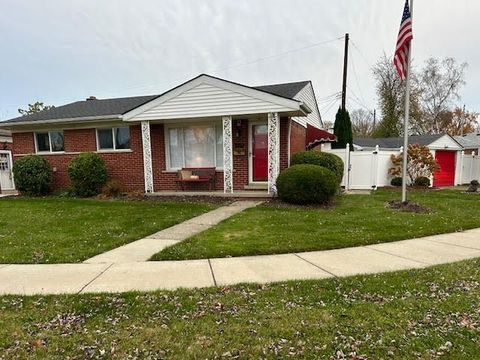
146, 276
144, 249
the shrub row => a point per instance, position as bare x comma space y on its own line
87, 173
421, 181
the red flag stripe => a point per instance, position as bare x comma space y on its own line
404, 39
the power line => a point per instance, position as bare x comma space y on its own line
356, 80
359, 104
369, 64
327, 99
254, 61
281, 54
328, 106
358, 100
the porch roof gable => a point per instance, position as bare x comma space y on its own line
205, 96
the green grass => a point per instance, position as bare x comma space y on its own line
53, 230
355, 220
426, 314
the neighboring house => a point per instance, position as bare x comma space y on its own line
246, 133
444, 148
469, 142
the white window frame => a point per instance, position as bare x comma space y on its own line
182, 126
112, 129
37, 151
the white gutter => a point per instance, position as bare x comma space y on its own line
7, 124
305, 108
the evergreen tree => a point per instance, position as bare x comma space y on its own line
343, 130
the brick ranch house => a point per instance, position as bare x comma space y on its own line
247, 134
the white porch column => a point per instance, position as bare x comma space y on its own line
273, 150
147, 157
227, 155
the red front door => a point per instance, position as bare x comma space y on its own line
259, 153
446, 175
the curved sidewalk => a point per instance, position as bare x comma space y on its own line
147, 276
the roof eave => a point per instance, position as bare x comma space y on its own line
12, 125
305, 108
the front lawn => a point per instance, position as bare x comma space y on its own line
422, 314
54, 230
355, 220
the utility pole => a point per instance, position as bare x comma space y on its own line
345, 69
374, 119
462, 121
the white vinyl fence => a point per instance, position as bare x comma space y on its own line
468, 168
365, 169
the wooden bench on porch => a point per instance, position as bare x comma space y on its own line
196, 175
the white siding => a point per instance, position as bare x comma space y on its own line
307, 96
445, 143
205, 100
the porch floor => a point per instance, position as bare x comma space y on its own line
239, 194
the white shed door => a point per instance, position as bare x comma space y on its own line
6, 176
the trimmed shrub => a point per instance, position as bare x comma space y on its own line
396, 181
33, 175
307, 184
87, 173
422, 181
330, 161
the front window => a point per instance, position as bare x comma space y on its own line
195, 146
50, 141
113, 138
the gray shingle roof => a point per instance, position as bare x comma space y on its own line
288, 90
119, 106
469, 141
87, 108
396, 142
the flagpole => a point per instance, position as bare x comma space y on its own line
406, 119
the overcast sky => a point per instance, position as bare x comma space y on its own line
59, 51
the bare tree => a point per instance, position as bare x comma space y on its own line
434, 90
391, 98
440, 82
362, 123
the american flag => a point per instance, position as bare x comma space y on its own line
405, 36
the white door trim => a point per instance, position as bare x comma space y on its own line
250, 150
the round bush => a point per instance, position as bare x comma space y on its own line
33, 175
88, 174
307, 184
422, 181
330, 161
396, 181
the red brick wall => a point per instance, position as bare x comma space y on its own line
127, 167
298, 138
240, 162
284, 122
